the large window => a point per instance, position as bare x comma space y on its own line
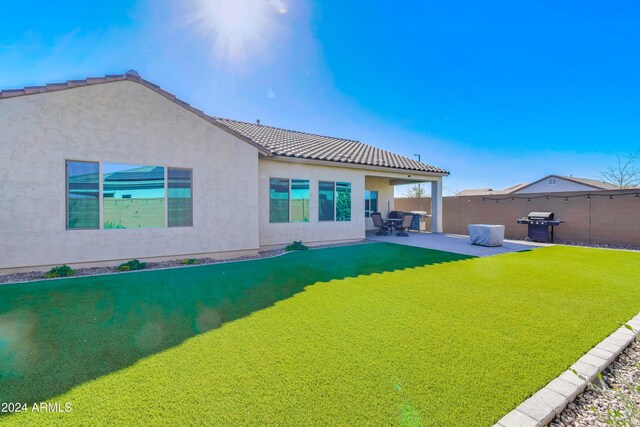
299, 200
326, 204
83, 195
334, 201
133, 196
370, 202
179, 202
288, 200
278, 200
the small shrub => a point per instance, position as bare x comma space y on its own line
60, 271
189, 261
112, 225
132, 265
296, 246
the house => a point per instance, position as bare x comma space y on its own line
548, 184
112, 168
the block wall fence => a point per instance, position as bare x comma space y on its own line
598, 217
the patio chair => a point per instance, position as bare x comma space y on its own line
404, 225
383, 229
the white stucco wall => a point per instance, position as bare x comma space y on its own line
560, 186
120, 122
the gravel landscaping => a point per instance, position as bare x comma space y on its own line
606, 406
92, 271
599, 245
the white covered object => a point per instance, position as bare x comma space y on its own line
486, 235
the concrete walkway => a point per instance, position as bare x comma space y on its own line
454, 243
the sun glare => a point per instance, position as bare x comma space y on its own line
237, 28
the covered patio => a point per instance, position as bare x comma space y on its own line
455, 243
379, 195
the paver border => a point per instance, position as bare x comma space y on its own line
549, 401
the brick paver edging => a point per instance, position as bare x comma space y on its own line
549, 401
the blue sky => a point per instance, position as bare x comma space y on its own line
497, 92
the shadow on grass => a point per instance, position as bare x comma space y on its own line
55, 335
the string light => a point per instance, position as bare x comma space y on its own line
566, 198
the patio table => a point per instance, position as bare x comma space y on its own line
392, 223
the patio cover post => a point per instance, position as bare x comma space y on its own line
436, 206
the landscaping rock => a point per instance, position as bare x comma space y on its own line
593, 407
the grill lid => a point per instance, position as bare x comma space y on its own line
540, 215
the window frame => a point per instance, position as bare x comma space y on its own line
288, 198
335, 198
367, 213
289, 186
334, 201
291, 221
167, 196
101, 195
66, 195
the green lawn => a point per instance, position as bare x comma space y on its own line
371, 334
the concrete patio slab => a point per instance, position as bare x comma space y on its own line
454, 243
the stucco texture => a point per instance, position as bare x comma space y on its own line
118, 122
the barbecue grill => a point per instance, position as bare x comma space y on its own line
540, 226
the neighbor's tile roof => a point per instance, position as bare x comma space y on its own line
269, 140
591, 182
289, 143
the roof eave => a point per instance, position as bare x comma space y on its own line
355, 166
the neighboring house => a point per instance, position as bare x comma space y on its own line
548, 184
113, 168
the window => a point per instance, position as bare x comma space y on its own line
278, 200
288, 200
133, 196
83, 195
334, 201
299, 200
326, 205
370, 202
343, 201
552, 181
179, 202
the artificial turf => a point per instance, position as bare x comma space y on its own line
371, 334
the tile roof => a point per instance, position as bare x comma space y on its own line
591, 182
597, 185
289, 143
269, 140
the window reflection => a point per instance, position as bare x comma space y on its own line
133, 196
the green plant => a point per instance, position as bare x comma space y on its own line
132, 265
60, 271
296, 246
112, 225
189, 261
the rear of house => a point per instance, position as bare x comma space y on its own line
108, 169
